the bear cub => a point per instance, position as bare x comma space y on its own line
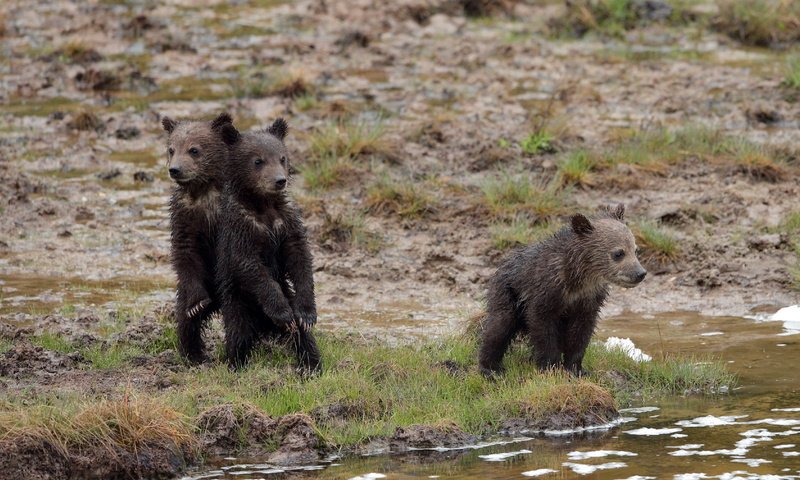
553, 291
196, 155
264, 269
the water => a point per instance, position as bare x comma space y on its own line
751, 433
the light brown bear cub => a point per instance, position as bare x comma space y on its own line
553, 291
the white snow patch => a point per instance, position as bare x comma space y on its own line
711, 334
791, 454
499, 457
706, 453
793, 409
751, 462
689, 476
369, 476
638, 410
688, 446
582, 469
679, 435
710, 421
538, 473
790, 316
653, 431
784, 445
599, 454
627, 346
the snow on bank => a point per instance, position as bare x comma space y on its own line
627, 346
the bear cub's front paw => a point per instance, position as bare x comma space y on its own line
305, 315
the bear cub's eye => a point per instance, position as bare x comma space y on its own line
619, 255
193, 151
283, 160
258, 161
171, 151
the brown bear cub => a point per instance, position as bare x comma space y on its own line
264, 270
197, 154
553, 291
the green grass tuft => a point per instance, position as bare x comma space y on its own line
792, 79
508, 196
657, 244
538, 142
519, 232
576, 168
407, 198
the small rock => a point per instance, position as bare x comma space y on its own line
144, 177
765, 242
763, 114
83, 214
109, 174
126, 133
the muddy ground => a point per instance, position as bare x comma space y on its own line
84, 217
84, 249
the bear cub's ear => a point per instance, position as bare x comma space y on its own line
278, 129
223, 124
581, 225
619, 212
168, 124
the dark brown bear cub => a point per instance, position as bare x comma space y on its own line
264, 270
553, 291
197, 154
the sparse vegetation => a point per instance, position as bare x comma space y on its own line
614, 17
576, 168
538, 142
509, 195
519, 232
292, 83
792, 79
348, 229
336, 149
407, 198
657, 244
427, 382
760, 22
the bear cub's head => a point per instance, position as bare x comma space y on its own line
196, 150
259, 160
611, 246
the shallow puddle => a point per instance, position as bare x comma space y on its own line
753, 432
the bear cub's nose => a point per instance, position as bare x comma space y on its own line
174, 172
640, 276
280, 182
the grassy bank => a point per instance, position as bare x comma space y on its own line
368, 390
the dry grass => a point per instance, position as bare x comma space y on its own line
407, 198
85, 121
348, 230
760, 22
127, 424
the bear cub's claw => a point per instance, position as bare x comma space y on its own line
198, 308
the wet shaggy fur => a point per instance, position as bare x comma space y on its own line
197, 153
264, 270
553, 291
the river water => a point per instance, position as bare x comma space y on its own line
754, 432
